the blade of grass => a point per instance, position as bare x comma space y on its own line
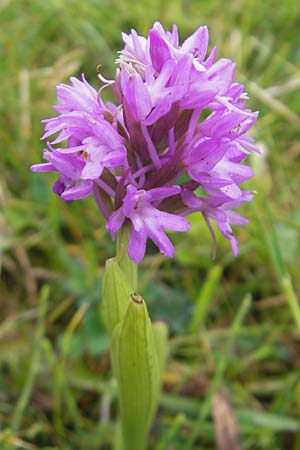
272, 244
273, 250
292, 299
204, 299
220, 370
7, 438
171, 433
60, 379
35, 362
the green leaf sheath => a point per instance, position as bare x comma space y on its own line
136, 366
160, 331
115, 295
128, 267
138, 347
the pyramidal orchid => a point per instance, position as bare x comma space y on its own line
172, 143
178, 123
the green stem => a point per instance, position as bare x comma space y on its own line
128, 267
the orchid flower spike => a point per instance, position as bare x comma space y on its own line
179, 123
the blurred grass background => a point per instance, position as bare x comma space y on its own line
233, 374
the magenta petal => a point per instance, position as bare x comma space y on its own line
197, 43
161, 109
239, 172
160, 239
164, 192
173, 222
221, 73
210, 60
139, 45
44, 167
136, 95
234, 245
157, 87
197, 97
129, 200
232, 190
236, 219
104, 133
91, 171
182, 73
159, 50
69, 166
80, 96
136, 245
173, 37
114, 158
115, 221
206, 155
79, 191
58, 187
208, 180
190, 199
226, 230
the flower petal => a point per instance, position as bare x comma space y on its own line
78, 191
136, 245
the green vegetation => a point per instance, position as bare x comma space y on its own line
234, 366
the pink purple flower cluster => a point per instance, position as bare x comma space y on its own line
173, 142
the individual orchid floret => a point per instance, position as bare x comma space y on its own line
147, 220
69, 185
92, 143
220, 210
81, 96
